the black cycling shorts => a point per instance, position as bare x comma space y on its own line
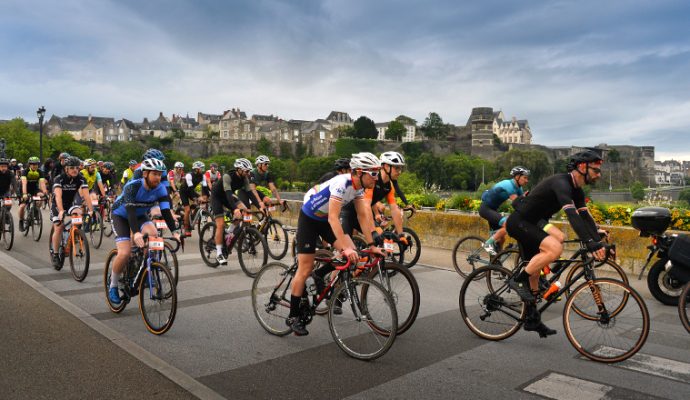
248, 199
219, 204
205, 191
76, 203
187, 195
491, 215
122, 229
309, 231
349, 221
528, 234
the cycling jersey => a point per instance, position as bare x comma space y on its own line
70, 186
176, 178
501, 192
549, 196
91, 179
211, 178
7, 180
127, 176
136, 200
108, 179
339, 188
222, 192
32, 180
258, 178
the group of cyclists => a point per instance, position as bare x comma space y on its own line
350, 198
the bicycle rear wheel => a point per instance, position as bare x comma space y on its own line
610, 337
403, 288
491, 311
277, 240
106, 282
271, 298
414, 248
353, 330
8, 230
157, 299
79, 256
252, 252
684, 307
469, 255
36, 223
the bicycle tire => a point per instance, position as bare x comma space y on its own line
157, 286
618, 274
169, 259
107, 220
27, 221
207, 244
106, 283
276, 239
400, 290
272, 309
614, 330
36, 224
252, 252
684, 307
79, 253
96, 229
490, 302
414, 248
466, 253
8, 231
375, 305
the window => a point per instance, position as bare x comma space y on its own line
121, 137
121, 130
246, 128
225, 124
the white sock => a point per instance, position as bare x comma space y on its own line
219, 249
113, 279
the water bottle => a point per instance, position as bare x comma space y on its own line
555, 287
311, 286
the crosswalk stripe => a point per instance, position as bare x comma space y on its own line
563, 387
652, 365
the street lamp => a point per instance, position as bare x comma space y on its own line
41, 112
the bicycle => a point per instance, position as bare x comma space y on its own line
200, 213
684, 307
168, 256
93, 224
252, 249
159, 306
367, 308
469, 253
7, 231
105, 210
73, 243
492, 311
413, 249
276, 235
33, 219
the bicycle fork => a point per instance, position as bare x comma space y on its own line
596, 293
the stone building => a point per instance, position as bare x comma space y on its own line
339, 118
124, 131
513, 131
160, 127
410, 129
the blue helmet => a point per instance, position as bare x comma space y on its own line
154, 153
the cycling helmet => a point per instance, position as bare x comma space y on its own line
63, 155
199, 165
34, 160
20, 165
72, 161
214, 165
89, 162
154, 153
243, 163
179, 165
261, 160
518, 170
100, 163
109, 165
152, 164
342, 163
4, 161
587, 156
13, 160
364, 161
132, 163
393, 158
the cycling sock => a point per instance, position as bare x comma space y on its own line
114, 277
491, 240
219, 249
295, 302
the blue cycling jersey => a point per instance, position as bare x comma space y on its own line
138, 174
501, 191
134, 194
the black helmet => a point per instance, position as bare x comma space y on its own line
342, 163
587, 156
72, 162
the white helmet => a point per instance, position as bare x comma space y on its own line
393, 158
364, 161
152, 164
199, 165
179, 164
243, 163
261, 160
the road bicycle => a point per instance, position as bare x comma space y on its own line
252, 249
33, 219
469, 254
604, 319
168, 256
148, 278
73, 244
7, 231
93, 224
276, 235
105, 208
411, 251
367, 308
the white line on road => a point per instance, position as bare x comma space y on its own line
652, 365
563, 387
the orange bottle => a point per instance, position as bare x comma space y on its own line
555, 287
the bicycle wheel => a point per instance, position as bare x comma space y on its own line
271, 298
607, 269
277, 240
106, 283
469, 255
36, 223
492, 312
107, 221
157, 298
207, 244
404, 290
169, 259
353, 329
252, 252
79, 256
322, 308
414, 248
608, 338
684, 307
8, 231
27, 222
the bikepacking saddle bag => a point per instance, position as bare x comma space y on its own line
679, 254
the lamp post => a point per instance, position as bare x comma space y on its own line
41, 112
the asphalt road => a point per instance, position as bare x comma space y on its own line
217, 344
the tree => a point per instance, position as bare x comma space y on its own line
178, 134
264, 146
637, 190
365, 128
684, 195
345, 147
395, 131
433, 127
345, 131
534, 160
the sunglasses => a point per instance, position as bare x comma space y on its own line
372, 173
596, 170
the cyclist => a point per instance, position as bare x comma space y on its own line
108, 177
341, 166
93, 179
492, 200
243, 168
59, 166
222, 197
33, 180
210, 177
47, 168
319, 217
15, 168
175, 177
69, 191
261, 176
8, 183
129, 172
187, 191
130, 217
560, 191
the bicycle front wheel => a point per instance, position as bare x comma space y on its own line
488, 307
96, 229
107, 221
252, 251
79, 256
107, 271
414, 248
8, 231
353, 329
684, 307
608, 269
277, 240
469, 255
36, 224
271, 298
404, 290
207, 244
610, 337
157, 299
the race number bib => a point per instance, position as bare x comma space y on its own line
8, 202
76, 220
156, 244
247, 218
160, 224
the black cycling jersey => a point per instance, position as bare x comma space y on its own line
109, 179
548, 197
229, 183
57, 171
7, 180
258, 178
196, 179
70, 186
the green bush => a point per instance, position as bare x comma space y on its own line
460, 202
422, 199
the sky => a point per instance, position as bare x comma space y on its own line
581, 72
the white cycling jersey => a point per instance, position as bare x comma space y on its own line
339, 188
